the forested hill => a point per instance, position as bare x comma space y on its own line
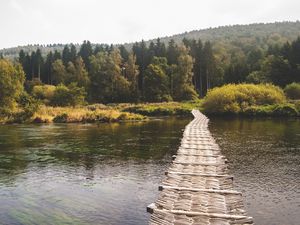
242, 36
258, 32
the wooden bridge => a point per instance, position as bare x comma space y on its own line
197, 188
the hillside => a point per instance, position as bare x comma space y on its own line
242, 36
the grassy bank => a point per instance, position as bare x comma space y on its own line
86, 114
162, 109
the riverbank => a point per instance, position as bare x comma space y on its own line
99, 113
85, 114
289, 109
163, 109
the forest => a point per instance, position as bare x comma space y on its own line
152, 71
113, 74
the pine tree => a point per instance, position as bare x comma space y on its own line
66, 55
73, 53
85, 52
48, 68
124, 53
172, 53
39, 61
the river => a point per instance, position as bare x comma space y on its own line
108, 173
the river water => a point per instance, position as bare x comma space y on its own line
107, 174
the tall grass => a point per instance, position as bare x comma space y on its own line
82, 114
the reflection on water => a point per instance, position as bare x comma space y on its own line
107, 174
83, 174
264, 157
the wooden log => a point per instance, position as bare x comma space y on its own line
151, 207
218, 191
212, 215
199, 163
200, 174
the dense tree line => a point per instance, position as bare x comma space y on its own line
113, 74
278, 65
158, 72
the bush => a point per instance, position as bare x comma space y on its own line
43, 92
292, 91
236, 98
30, 84
285, 110
27, 106
12, 79
68, 96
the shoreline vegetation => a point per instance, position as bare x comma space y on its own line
99, 113
108, 83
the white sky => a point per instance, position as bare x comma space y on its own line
25, 22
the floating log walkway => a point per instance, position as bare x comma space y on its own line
197, 188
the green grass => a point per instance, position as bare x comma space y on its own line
162, 109
286, 110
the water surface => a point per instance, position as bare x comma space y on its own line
83, 174
108, 174
264, 157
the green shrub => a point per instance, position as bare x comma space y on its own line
27, 106
43, 92
236, 98
68, 95
285, 110
30, 84
292, 90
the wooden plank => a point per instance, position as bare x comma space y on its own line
218, 191
212, 215
199, 163
199, 174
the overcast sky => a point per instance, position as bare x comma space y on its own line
25, 22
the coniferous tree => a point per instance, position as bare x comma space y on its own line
38, 61
208, 66
66, 55
160, 49
48, 68
57, 55
142, 60
124, 53
73, 53
172, 52
85, 52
